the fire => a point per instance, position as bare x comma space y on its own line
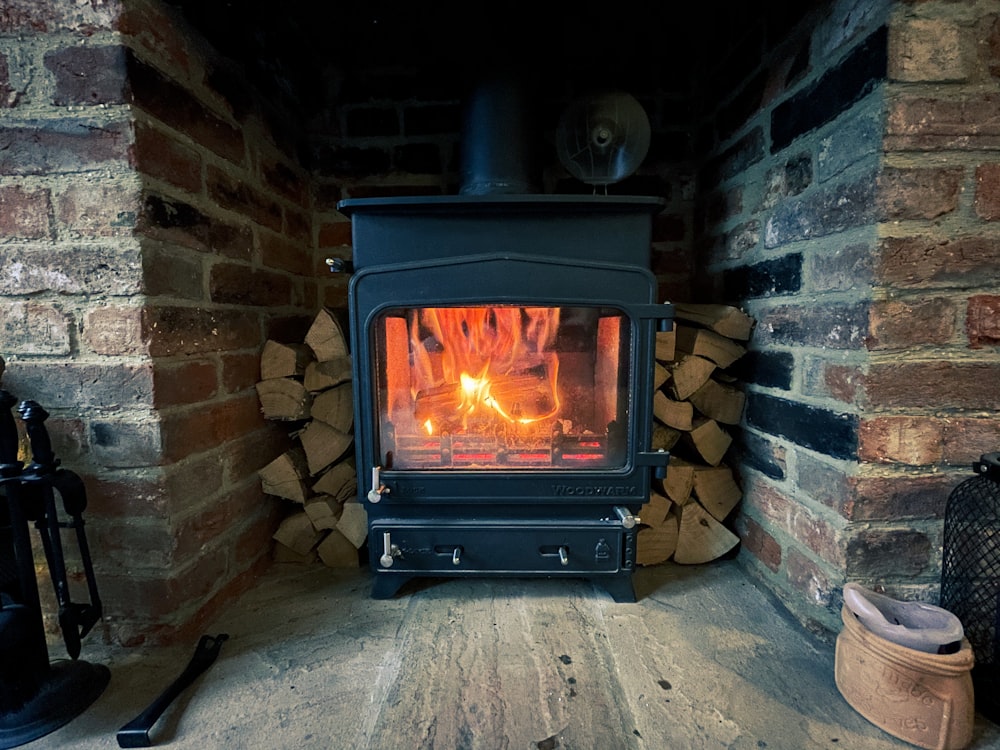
483, 360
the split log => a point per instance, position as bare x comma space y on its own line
725, 320
324, 511
656, 544
286, 476
336, 551
723, 403
679, 481
708, 344
284, 360
325, 337
664, 438
340, 481
660, 375
676, 414
353, 523
654, 513
298, 534
283, 399
689, 373
322, 445
700, 538
665, 345
709, 440
322, 375
335, 407
716, 490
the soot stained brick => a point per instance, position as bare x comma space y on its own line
832, 94
768, 369
821, 430
772, 277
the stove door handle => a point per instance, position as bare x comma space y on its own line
378, 489
389, 550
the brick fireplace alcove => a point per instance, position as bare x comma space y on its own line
169, 173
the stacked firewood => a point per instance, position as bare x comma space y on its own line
308, 386
695, 403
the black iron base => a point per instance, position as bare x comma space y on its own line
619, 586
67, 691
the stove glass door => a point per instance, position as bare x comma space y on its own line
510, 387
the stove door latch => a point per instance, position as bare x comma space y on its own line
390, 551
378, 489
658, 459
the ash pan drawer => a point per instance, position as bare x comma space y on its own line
456, 549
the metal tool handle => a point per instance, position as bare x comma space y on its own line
136, 732
34, 416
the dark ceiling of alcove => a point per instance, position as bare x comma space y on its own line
294, 46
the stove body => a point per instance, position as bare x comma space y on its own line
503, 366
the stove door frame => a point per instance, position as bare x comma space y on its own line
508, 279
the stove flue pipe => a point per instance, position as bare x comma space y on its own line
498, 138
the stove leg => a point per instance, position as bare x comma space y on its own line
386, 585
620, 588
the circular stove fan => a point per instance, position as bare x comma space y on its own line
603, 138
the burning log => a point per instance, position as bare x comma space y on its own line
691, 407
309, 384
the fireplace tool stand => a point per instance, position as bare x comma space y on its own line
36, 696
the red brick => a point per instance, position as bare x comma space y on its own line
966, 439
919, 193
934, 385
284, 254
285, 180
760, 544
98, 209
240, 371
24, 214
189, 382
88, 75
898, 324
916, 441
209, 426
988, 191
982, 321
927, 50
887, 553
195, 480
809, 579
335, 234
192, 330
117, 496
154, 29
245, 455
918, 262
34, 328
920, 122
115, 330
160, 156
990, 48
172, 273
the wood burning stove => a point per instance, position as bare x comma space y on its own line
503, 367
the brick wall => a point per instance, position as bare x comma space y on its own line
156, 230
848, 209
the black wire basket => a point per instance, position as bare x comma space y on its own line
970, 574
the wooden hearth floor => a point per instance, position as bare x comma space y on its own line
704, 660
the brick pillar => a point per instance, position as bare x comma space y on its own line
155, 234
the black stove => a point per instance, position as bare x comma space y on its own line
503, 367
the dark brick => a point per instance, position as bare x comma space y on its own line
769, 278
8, 96
372, 121
417, 158
889, 553
840, 268
193, 330
234, 193
88, 75
123, 444
286, 181
284, 254
831, 326
160, 156
895, 498
62, 146
434, 119
351, 161
761, 454
172, 272
771, 369
175, 106
819, 429
233, 284
741, 107
747, 151
835, 92
174, 221
829, 210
